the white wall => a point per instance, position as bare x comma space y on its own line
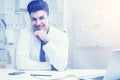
95, 31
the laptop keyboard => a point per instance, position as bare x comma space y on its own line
98, 78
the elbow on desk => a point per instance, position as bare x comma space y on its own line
59, 68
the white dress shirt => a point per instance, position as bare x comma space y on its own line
28, 51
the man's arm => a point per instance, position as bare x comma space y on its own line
23, 60
58, 52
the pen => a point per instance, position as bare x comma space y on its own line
16, 73
40, 75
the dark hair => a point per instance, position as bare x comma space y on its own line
37, 5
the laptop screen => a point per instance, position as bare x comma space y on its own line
113, 69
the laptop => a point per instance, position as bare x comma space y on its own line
113, 69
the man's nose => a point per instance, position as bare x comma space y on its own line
38, 22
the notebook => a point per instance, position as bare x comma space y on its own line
113, 69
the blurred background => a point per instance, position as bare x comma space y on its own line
93, 27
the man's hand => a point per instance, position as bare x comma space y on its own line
42, 34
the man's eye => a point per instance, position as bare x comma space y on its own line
33, 19
42, 17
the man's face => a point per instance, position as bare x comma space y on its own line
39, 20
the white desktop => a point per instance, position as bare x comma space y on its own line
70, 74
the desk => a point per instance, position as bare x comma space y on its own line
72, 74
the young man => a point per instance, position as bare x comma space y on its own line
41, 47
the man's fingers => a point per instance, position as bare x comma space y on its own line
39, 32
